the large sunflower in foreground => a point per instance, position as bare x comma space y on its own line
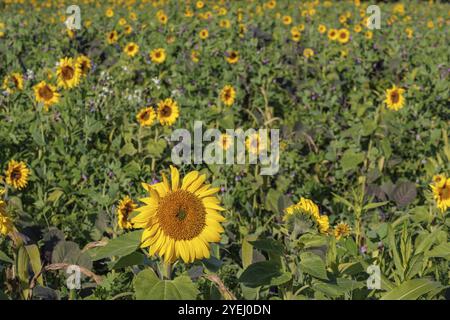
394, 98
68, 72
17, 174
180, 218
167, 112
46, 93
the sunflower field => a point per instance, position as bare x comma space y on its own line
93, 205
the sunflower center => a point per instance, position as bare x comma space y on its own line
445, 194
158, 54
16, 82
145, 116
166, 111
395, 97
16, 174
67, 72
46, 93
181, 215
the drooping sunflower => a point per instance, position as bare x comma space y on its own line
85, 64
309, 209
68, 73
180, 220
146, 116
227, 95
232, 56
394, 98
324, 224
17, 174
158, 55
13, 82
441, 191
131, 49
46, 93
125, 208
343, 36
112, 37
203, 34
341, 230
225, 141
168, 112
332, 34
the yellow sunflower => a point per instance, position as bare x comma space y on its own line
322, 28
112, 37
180, 220
295, 34
441, 191
17, 174
85, 64
128, 29
46, 93
287, 20
324, 224
203, 34
124, 210
131, 49
225, 23
168, 112
225, 141
13, 82
109, 12
68, 72
195, 56
343, 36
162, 17
341, 230
332, 34
255, 145
146, 116
394, 98
232, 56
305, 206
227, 95
158, 55
308, 53
6, 224
368, 35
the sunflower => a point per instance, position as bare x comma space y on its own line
295, 34
158, 55
225, 23
324, 224
441, 191
195, 56
308, 53
13, 82
305, 206
203, 34
146, 116
255, 145
342, 229
394, 98
68, 72
6, 224
332, 34
162, 17
124, 210
409, 33
343, 36
131, 49
227, 95
112, 37
357, 28
200, 4
322, 29
128, 29
17, 174
232, 56
167, 112
85, 64
46, 93
122, 22
225, 141
180, 219
368, 35
287, 20
109, 12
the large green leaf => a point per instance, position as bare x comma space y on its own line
148, 286
264, 273
440, 251
118, 247
313, 264
412, 290
268, 245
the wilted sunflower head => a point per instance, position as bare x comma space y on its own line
46, 93
232, 56
180, 218
17, 174
394, 98
158, 55
131, 49
68, 73
146, 116
227, 95
341, 230
168, 112
125, 208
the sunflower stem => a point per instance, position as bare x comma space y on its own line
167, 270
